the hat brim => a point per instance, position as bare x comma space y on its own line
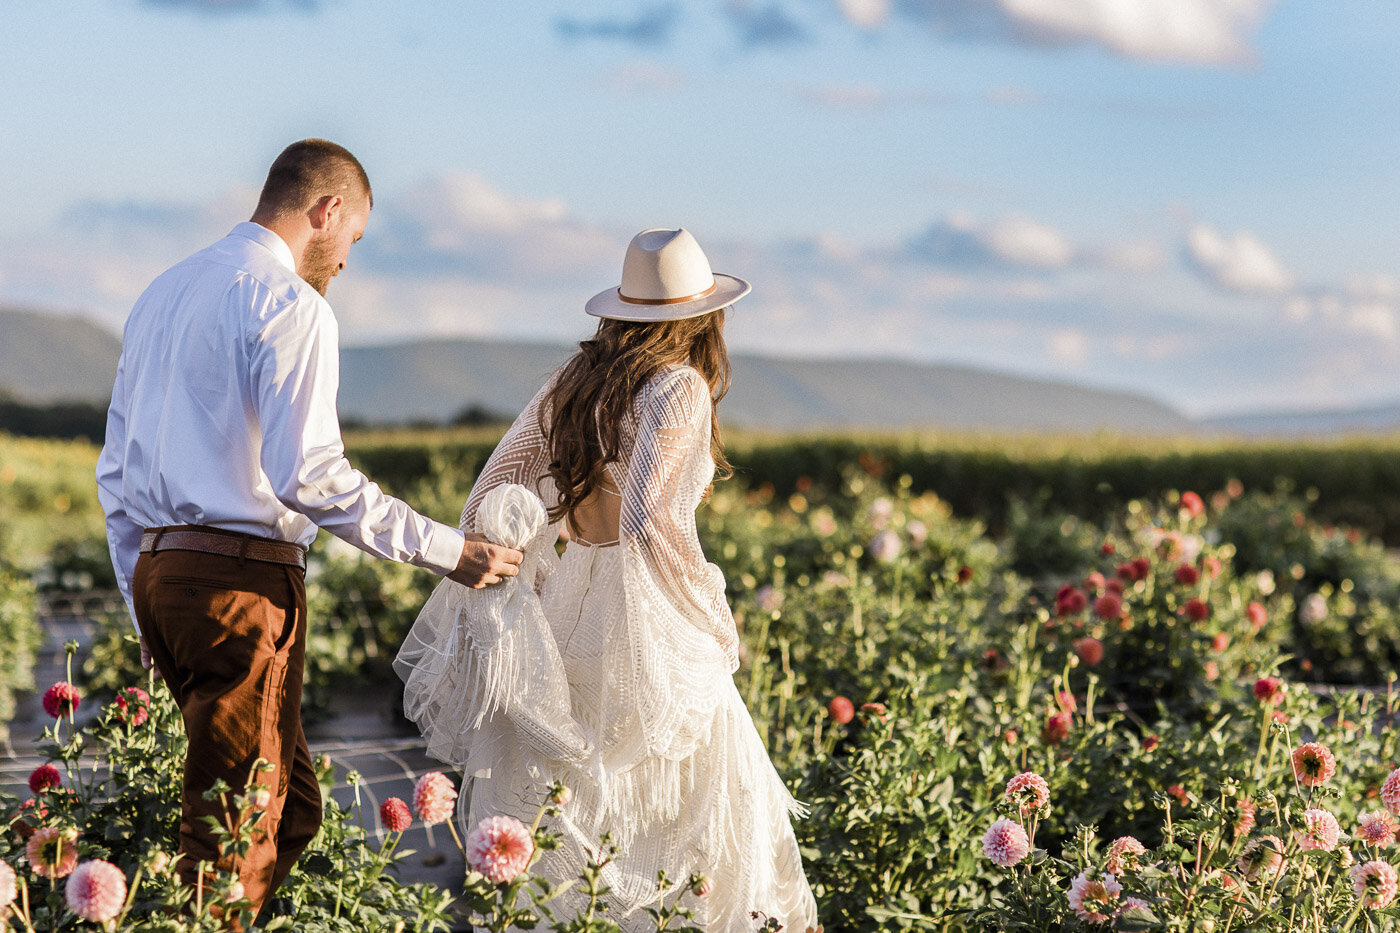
609, 304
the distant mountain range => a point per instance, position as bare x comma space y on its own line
45, 358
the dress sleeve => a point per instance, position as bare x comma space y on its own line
667, 475
521, 457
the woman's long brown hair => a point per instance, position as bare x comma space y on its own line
594, 392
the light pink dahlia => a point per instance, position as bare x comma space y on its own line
9, 887
499, 848
52, 852
1374, 883
433, 798
133, 706
1320, 830
1376, 828
1390, 792
1094, 900
1134, 903
1123, 855
1244, 820
1313, 764
1005, 843
1029, 791
96, 891
1262, 859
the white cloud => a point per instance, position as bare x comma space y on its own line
867, 14
1240, 264
1208, 32
1018, 242
1069, 346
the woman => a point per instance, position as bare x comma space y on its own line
618, 682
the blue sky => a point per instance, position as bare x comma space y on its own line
1194, 199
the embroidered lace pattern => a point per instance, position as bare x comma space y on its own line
611, 669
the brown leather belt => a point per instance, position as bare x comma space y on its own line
228, 544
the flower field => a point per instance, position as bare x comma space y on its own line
1174, 713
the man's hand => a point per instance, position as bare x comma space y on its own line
146, 662
483, 563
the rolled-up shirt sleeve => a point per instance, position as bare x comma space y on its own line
295, 371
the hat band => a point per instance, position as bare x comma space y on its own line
666, 301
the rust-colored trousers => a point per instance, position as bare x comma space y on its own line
229, 636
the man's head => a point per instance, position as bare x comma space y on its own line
317, 197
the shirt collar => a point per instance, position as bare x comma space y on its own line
267, 239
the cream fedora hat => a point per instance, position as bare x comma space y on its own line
666, 277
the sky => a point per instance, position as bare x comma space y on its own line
1195, 200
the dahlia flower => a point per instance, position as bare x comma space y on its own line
1244, 822
44, 777
1262, 858
96, 891
1089, 649
1029, 791
841, 709
393, 813
1376, 828
52, 852
1094, 900
1373, 883
1005, 843
1390, 792
9, 887
61, 699
133, 706
1320, 830
499, 848
433, 798
1123, 855
1313, 764
1268, 690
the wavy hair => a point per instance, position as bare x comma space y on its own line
583, 413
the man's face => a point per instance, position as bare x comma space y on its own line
329, 249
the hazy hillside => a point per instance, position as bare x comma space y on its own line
434, 380
47, 358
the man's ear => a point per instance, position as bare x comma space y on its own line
326, 211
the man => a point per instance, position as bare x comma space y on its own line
223, 455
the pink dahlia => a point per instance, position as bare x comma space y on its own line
1108, 606
52, 852
1197, 610
1390, 792
1376, 828
875, 711
1070, 600
1123, 855
499, 848
1257, 615
9, 888
1268, 690
1094, 900
1133, 903
61, 699
1089, 649
841, 709
393, 813
133, 706
1005, 843
1056, 729
44, 777
1262, 858
1192, 504
1244, 819
1313, 764
1320, 830
1029, 791
96, 891
433, 798
1374, 883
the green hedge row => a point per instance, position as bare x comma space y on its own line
1355, 483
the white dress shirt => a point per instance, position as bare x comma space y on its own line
224, 414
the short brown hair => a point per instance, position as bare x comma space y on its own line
308, 171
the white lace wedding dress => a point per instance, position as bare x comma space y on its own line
617, 680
